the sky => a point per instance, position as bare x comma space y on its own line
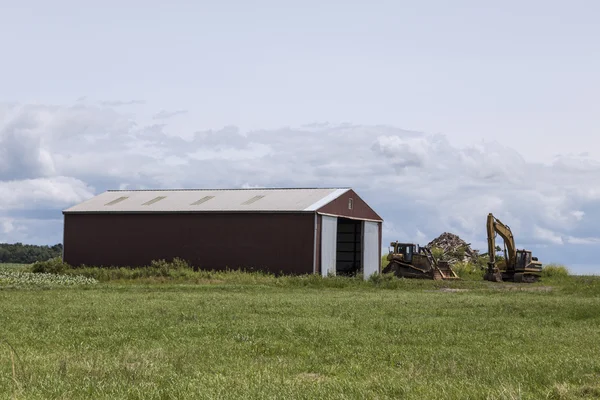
435, 112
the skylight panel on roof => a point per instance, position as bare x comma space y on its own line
254, 199
115, 201
202, 200
154, 200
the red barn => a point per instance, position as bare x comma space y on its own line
289, 231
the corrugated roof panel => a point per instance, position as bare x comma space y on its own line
299, 199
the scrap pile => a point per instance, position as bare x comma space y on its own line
454, 248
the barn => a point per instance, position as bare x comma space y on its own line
283, 231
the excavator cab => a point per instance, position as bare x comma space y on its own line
525, 262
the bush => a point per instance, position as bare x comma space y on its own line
52, 266
382, 279
466, 270
384, 261
438, 253
555, 270
175, 264
164, 268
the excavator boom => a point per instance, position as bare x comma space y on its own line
520, 265
494, 225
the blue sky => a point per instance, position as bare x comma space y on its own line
436, 112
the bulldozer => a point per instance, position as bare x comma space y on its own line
518, 264
409, 260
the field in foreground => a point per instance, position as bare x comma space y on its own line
418, 340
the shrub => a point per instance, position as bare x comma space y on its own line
384, 261
555, 270
382, 279
438, 253
52, 266
164, 268
466, 270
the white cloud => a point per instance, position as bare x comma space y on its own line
578, 215
421, 184
583, 240
546, 235
7, 225
43, 193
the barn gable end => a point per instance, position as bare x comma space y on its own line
350, 205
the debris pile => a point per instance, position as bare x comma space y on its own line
454, 248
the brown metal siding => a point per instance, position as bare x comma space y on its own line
271, 242
360, 209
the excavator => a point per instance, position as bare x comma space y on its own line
409, 260
519, 265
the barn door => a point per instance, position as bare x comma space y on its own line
328, 244
371, 250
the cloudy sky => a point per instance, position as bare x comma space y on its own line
435, 112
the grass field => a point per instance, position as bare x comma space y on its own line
240, 336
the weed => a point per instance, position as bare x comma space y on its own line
52, 266
555, 270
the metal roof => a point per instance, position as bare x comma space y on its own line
206, 200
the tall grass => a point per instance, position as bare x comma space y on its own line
172, 341
555, 271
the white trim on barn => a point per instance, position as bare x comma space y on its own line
348, 217
328, 245
315, 231
326, 200
371, 250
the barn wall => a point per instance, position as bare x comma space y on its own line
271, 242
359, 210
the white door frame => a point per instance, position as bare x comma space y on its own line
328, 245
371, 251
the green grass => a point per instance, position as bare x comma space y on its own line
14, 267
254, 336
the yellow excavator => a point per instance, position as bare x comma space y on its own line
519, 265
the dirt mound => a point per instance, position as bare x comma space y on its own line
454, 248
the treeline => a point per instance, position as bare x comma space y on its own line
20, 253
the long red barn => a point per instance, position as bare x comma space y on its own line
283, 231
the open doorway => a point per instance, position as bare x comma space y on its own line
349, 247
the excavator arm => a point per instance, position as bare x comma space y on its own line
494, 225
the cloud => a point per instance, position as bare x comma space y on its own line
163, 114
547, 235
52, 192
7, 225
583, 240
421, 184
118, 103
22, 154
